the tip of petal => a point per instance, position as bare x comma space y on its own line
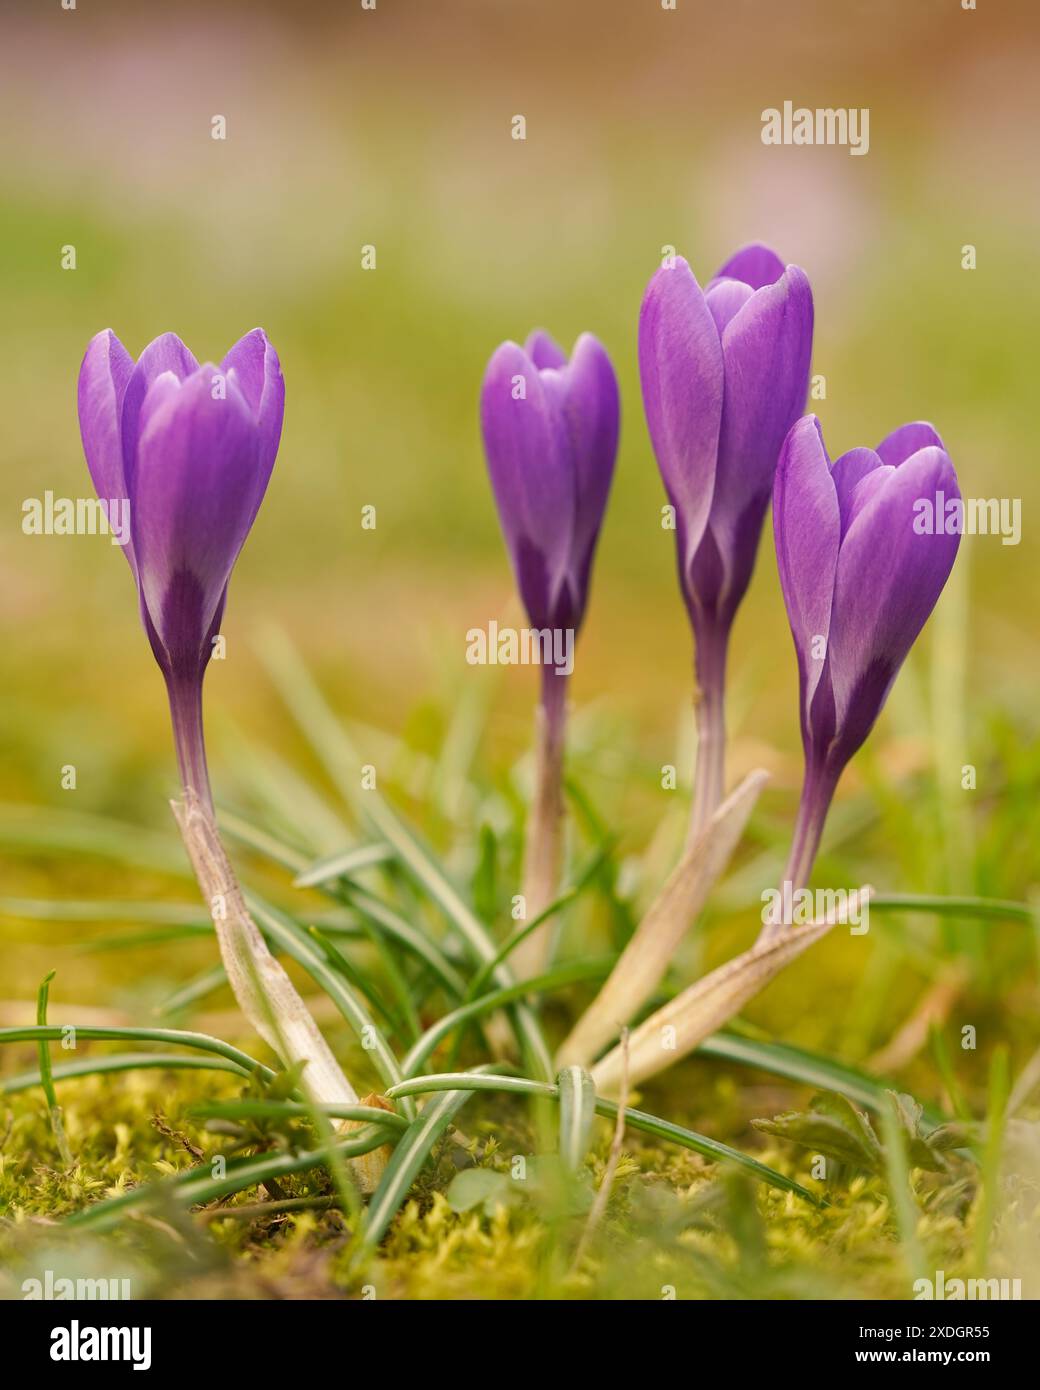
801, 427
544, 351
588, 345
677, 268
908, 440
507, 355
755, 264
168, 352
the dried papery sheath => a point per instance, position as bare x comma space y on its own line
645, 960
190, 448
860, 577
725, 372
685, 1021
265, 994
550, 430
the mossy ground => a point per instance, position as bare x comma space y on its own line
674, 1227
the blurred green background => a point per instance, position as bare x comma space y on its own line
392, 128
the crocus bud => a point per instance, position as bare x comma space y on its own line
725, 374
191, 449
550, 434
550, 431
860, 575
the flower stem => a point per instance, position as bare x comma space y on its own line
264, 992
709, 777
817, 792
543, 850
185, 696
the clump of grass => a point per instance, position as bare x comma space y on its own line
413, 978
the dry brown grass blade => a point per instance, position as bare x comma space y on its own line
646, 958
685, 1021
265, 994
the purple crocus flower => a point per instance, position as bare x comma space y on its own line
860, 575
550, 428
191, 449
725, 374
550, 433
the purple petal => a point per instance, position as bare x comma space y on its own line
766, 348
680, 364
254, 367
103, 377
591, 413
197, 464
887, 582
807, 529
544, 351
164, 354
756, 265
529, 460
847, 473
725, 298
864, 492
897, 447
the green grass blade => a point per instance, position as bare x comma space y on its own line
330, 742
254, 838
513, 941
573, 972
363, 902
43, 1047
46, 1076
385, 919
295, 942
897, 1173
98, 910
47, 830
795, 1064
150, 936
276, 1109
342, 865
121, 1061
411, 1153
478, 1080
951, 907
422, 866
577, 1096
357, 979
196, 1187
202, 985
987, 1200
635, 1119
201, 1042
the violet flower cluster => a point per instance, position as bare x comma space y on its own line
725, 377
725, 374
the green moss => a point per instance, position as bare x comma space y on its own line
674, 1225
